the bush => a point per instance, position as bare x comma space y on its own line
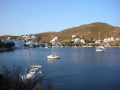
1, 44
9, 44
10, 80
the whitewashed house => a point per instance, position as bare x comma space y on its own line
73, 36
108, 39
82, 40
98, 41
77, 40
30, 43
33, 37
27, 37
117, 39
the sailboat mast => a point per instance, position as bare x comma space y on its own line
52, 50
29, 63
52, 45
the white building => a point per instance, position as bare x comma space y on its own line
77, 40
30, 43
6, 41
117, 39
73, 36
97, 41
82, 40
27, 37
33, 37
108, 39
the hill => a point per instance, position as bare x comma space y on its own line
87, 31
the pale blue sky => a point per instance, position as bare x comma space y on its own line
18, 17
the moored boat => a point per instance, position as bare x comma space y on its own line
100, 48
53, 56
33, 73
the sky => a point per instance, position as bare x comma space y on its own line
19, 17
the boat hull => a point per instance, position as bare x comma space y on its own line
100, 48
53, 57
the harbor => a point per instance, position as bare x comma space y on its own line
77, 68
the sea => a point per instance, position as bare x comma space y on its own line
79, 68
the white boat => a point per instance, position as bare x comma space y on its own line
46, 47
33, 74
53, 56
34, 71
100, 48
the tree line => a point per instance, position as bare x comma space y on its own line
6, 45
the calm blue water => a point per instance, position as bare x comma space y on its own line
77, 69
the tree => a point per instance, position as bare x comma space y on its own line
88, 41
1, 44
9, 45
68, 43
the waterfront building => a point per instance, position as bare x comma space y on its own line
108, 39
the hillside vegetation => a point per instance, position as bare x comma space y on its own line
88, 31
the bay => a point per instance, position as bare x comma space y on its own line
77, 69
